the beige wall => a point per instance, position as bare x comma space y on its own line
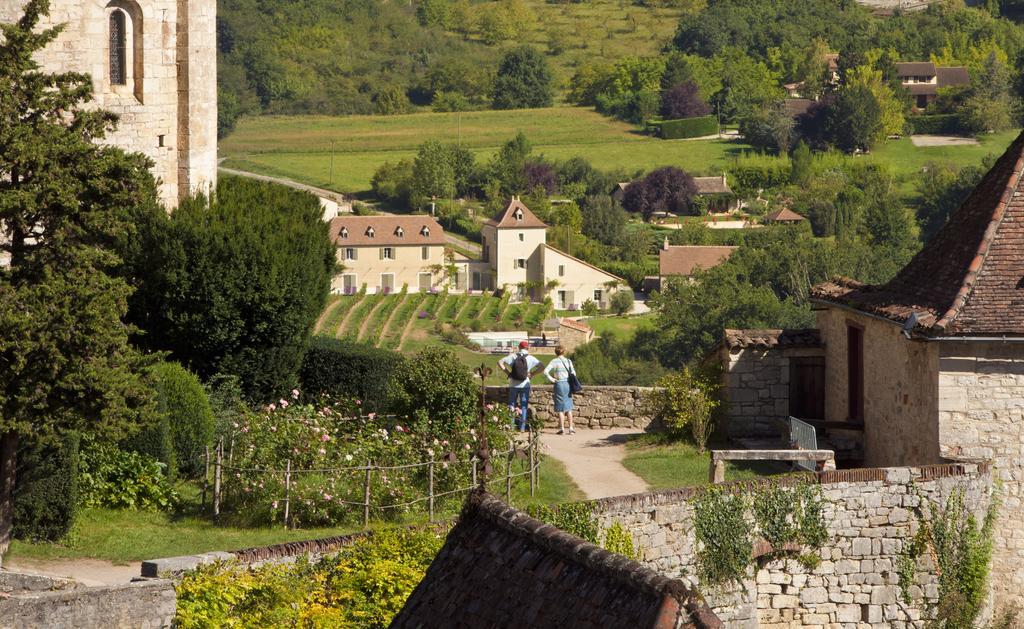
900, 389
981, 416
406, 267
172, 75
579, 281
508, 247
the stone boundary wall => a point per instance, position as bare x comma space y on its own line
869, 514
596, 406
148, 604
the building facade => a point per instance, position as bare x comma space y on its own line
154, 64
385, 253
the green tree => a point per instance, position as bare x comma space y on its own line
524, 80
747, 85
603, 219
433, 174
989, 106
621, 302
433, 12
234, 285
801, 165
67, 364
854, 121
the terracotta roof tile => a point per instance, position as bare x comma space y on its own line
766, 339
506, 219
785, 215
575, 325
685, 259
501, 568
915, 68
385, 231
712, 185
969, 279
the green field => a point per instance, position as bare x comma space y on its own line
665, 464
299, 147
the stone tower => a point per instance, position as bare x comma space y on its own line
154, 63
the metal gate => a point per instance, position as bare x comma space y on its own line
802, 436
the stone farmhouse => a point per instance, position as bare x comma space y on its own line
154, 64
681, 261
924, 79
925, 369
387, 252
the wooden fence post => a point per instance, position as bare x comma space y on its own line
366, 496
537, 457
206, 478
508, 476
474, 472
533, 487
430, 486
217, 472
287, 490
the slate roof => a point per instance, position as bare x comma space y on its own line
969, 279
952, 75
797, 106
502, 568
385, 231
767, 339
915, 68
922, 89
684, 259
712, 185
785, 215
506, 219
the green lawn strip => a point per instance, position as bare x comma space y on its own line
622, 327
352, 324
369, 331
492, 313
402, 320
333, 301
469, 310
383, 317
128, 536
664, 464
503, 307
452, 307
514, 317
343, 314
330, 324
536, 315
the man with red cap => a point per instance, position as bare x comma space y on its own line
519, 367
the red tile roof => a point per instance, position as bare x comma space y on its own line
712, 185
579, 326
785, 215
501, 568
685, 259
766, 339
969, 279
507, 218
385, 231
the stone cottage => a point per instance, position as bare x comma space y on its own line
929, 367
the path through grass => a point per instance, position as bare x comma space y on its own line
664, 464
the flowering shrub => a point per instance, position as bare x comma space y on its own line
325, 450
364, 585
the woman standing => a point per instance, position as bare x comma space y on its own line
558, 371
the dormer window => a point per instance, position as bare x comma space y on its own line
518, 214
344, 232
369, 232
425, 231
400, 232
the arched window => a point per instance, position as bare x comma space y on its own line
118, 48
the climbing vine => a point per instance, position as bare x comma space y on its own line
960, 550
618, 540
726, 524
576, 518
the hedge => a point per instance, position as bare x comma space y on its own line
346, 369
936, 124
182, 400
46, 489
688, 127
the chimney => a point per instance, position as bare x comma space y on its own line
665, 246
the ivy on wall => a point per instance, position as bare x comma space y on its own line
579, 519
726, 525
960, 553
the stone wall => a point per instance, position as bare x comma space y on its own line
596, 406
137, 605
168, 104
869, 515
981, 415
900, 389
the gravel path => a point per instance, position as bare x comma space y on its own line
85, 571
593, 458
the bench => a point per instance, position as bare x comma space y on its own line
824, 459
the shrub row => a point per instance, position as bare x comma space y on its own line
687, 127
349, 370
936, 124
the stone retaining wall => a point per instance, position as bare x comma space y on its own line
596, 406
138, 605
869, 514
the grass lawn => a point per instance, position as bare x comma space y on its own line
665, 465
128, 536
299, 147
624, 328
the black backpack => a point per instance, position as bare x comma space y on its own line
520, 368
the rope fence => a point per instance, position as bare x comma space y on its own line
217, 463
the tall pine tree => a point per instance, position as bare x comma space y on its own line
65, 362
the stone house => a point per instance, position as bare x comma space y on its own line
929, 367
154, 64
681, 261
516, 251
785, 216
924, 79
573, 333
387, 252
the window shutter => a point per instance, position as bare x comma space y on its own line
382, 253
355, 254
